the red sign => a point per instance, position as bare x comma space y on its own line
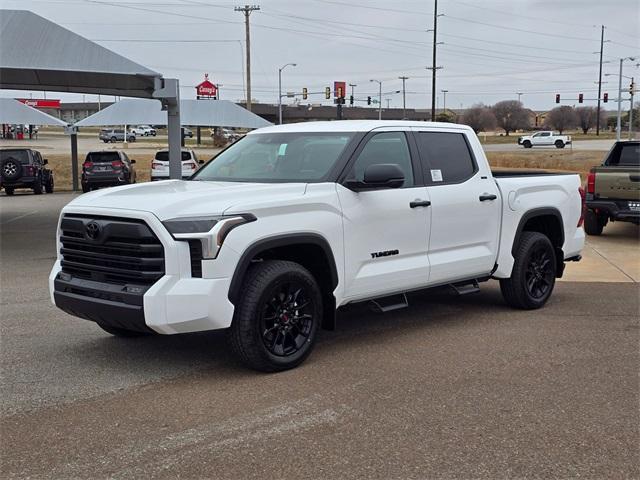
206, 88
339, 89
40, 103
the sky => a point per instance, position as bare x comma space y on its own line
491, 49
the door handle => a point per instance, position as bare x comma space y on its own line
420, 203
485, 196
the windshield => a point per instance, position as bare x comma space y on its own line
277, 157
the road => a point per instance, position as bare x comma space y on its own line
452, 387
598, 145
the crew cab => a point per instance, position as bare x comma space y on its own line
292, 222
143, 131
160, 164
24, 168
613, 189
545, 138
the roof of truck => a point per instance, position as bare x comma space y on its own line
354, 126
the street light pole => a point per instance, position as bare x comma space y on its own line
600, 82
519, 95
631, 111
444, 101
379, 98
404, 98
280, 90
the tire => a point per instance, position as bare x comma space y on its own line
114, 139
559, 144
534, 273
37, 186
132, 139
8, 190
122, 332
86, 188
526, 144
265, 322
11, 169
593, 224
106, 141
49, 186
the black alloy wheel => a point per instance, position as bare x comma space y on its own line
539, 273
287, 319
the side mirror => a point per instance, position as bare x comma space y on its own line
380, 175
201, 162
132, 161
45, 161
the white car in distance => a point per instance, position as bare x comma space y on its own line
545, 138
160, 164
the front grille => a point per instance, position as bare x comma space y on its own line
109, 249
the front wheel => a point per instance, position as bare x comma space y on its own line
526, 144
534, 273
49, 186
275, 324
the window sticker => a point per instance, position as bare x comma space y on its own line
436, 175
283, 149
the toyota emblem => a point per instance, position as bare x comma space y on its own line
93, 230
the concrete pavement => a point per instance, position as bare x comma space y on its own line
452, 387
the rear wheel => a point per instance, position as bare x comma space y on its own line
559, 144
594, 223
274, 326
526, 144
37, 186
122, 332
534, 273
114, 139
86, 188
8, 190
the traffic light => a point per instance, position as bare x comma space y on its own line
340, 92
632, 87
327, 93
557, 98
368, 100
351, 100
580, 98
305, 93
605, 97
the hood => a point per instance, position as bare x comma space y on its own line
179, 198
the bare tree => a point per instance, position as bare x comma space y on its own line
562, 118
511, 115
587, 118
480, 118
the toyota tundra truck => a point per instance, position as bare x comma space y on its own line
292, 222
613, 188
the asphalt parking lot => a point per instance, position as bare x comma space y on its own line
452, 387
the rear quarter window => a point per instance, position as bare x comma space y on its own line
445, 157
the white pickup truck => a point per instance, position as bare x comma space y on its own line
546, 138
292, 222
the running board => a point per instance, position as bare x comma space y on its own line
466, 288
390, 303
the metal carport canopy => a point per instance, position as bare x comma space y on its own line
204, 113
37, 54
13, 111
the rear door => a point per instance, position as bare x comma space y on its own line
542, 138
465, 206
385, 238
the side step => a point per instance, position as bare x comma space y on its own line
390, 303
465, 288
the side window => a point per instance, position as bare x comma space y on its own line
545, 134
387, 147
445, 157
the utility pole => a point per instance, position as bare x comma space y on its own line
246, 10
352, 85
388, 102
433, 66
632, 88
600, 81
379, 98
404, 98
519, 95
444, 102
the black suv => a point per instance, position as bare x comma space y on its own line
107, 169
24, 168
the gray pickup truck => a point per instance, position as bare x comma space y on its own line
613, 188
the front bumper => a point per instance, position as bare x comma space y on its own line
617, 210
176, 303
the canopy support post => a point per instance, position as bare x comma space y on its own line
168, 91
74, 160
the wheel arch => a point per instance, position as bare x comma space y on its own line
310, 250
547, 221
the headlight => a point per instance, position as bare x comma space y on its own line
211, 231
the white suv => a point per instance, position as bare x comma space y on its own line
160, 164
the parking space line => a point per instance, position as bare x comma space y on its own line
19, 217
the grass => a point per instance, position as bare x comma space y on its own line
562, 160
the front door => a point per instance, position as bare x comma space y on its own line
386, 231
